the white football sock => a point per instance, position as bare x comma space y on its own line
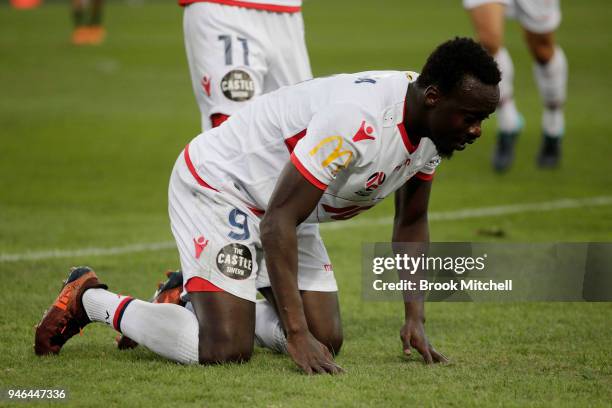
552, 84
268, 329
166, 329
101, 305
508, 118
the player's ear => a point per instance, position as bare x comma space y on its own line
432, 96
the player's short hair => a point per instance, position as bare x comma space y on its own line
451, 61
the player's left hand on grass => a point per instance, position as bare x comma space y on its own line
413, 335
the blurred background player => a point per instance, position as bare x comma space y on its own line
539, 20
237, 50
87, 16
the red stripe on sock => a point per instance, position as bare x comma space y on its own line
119, 312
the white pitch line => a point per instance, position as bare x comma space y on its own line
483, 212
433, 216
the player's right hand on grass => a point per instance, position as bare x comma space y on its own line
413, 334
311, 355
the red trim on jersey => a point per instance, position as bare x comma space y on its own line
257, 211
192, 169
307, 175
424, 176
257, 6
409, 146
218, 118
119, 312
293, 140
197, 284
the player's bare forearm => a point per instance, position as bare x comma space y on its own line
278, 236
293, 199
411, 225
418, 233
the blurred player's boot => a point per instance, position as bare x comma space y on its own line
550, 152
167, 292
96, 34
66, 316
503, 156
80, 35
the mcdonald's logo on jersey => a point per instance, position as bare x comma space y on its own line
338, 158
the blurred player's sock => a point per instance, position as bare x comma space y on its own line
268, 329
552, 83
508, 118
166, 329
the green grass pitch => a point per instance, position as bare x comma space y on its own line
88, 137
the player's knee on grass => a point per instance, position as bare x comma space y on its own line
323, 316
331, 337
224, 345
226, 327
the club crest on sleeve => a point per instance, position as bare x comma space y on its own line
365, 132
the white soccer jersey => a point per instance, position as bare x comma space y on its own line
343, 133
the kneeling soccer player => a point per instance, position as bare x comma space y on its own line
257, 186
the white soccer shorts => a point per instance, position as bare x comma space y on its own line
218, 239
536, 16
236, 53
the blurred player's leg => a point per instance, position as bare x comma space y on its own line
540, 19
97, 33
488, 20
87, 16
79, 33
550, 72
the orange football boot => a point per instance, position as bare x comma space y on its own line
66, 316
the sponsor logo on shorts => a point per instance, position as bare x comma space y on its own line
238, 85
235, 261
206, 84
328, 268
373, 182
200, 243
